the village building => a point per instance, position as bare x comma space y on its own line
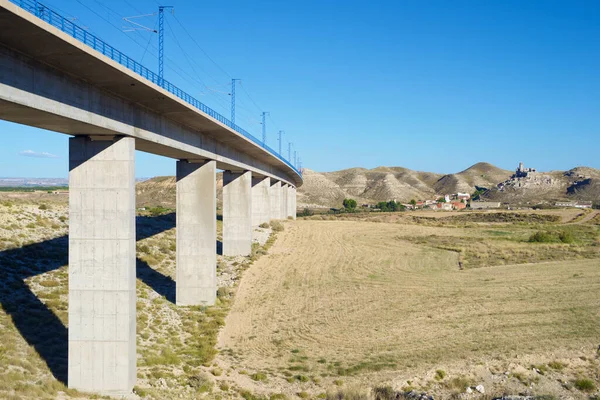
576, 204
458, 205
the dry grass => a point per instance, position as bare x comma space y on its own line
346, 298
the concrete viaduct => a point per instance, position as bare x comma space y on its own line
51, 80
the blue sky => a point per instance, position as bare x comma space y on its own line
434, 86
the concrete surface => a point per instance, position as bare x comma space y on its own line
275, 205
102, 348
284, 201
237, 213
196, 268
290, 202
294, 203
261, 200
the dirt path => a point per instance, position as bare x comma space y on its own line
588, 217
333, 297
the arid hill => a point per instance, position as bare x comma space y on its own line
389, 183
328, 189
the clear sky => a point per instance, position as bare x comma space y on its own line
427, 85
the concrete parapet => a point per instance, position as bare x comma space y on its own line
237, 213
196, 271
261, 200
102, 347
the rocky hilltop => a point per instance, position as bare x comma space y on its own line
328, 189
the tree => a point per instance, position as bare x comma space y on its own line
349, 204
441, 200
390, 206
478, 192
414, 203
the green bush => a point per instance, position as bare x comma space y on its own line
585, 385
542, 237
566, 237
264, 225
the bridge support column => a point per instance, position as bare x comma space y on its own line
196, 270
102, 349
237, 213
261, 200
292, 194
275, 194
290, 201
283, 200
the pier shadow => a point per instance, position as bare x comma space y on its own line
37, 324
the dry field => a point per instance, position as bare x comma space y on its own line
378, 304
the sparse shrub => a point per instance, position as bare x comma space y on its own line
264, 225
348, 394
43, 207
216, 371
259, 376
338, 382
557, 365
224, 386
384, 393
301, 378
585, 385
49, 283
542, 237
223, 292
276, 226
460, 383
566, 237
248, 395
440, 374
307, 212
277, 396
200, 382
140, 392
303, 395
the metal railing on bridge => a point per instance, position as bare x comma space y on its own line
58, 21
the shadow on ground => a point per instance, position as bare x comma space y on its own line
36, 323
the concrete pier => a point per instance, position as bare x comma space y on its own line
261, 200
275, 200
196, 270
290, 202
102, 348
294, 203
237, 213
283, 201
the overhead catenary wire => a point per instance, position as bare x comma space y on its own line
194, 81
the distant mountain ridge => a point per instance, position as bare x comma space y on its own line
402, 184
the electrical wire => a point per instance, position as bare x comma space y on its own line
201, 49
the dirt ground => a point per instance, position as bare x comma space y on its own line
343, 302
